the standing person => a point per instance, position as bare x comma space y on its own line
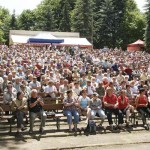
111, 106
70, 109
142, 105
36, 109
19, 108
96, 107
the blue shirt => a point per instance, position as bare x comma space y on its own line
84, 101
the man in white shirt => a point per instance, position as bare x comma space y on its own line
35, 84
50, 90
90, 88
134, 88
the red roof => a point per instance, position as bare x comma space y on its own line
137, 43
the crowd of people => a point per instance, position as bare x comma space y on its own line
89, 82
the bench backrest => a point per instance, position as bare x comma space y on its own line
50, 101
49, 107
5, 107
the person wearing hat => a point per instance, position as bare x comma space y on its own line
96, 108
90, 88
70, 109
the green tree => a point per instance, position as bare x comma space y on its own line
4, 25
147, 32
117, 23
134, 24
61, 10
26, 20
65, 21
103, 23
13, 21
82, 18
44, 17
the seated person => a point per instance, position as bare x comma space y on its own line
124, 106
9, 94
70, 109
36, 110
111, 106
35, 84
50, 90
142, 105
84, 103
96, 107
19, 108
100, 90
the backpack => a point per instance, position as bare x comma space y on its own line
91, 127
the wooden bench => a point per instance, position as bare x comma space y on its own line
52, 101
6, 108
57, 115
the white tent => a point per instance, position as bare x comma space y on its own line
82, 42
44, 36
19, 39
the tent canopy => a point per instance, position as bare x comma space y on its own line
44, 38
16, 39
136, 46
82, 42
137, 43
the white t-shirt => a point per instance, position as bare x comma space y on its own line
32, 84
90, 90
49, 89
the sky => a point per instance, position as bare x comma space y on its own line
20, 5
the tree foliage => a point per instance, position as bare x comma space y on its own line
4, 24
147, 32
44, 17
26, 20
117, 23
82, 18
13, 21
104, 22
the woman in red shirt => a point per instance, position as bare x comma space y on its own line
142, 105
124, 106
111, 106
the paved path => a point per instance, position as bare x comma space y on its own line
82, 142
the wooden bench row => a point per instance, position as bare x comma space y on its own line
57, 108
47, 107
